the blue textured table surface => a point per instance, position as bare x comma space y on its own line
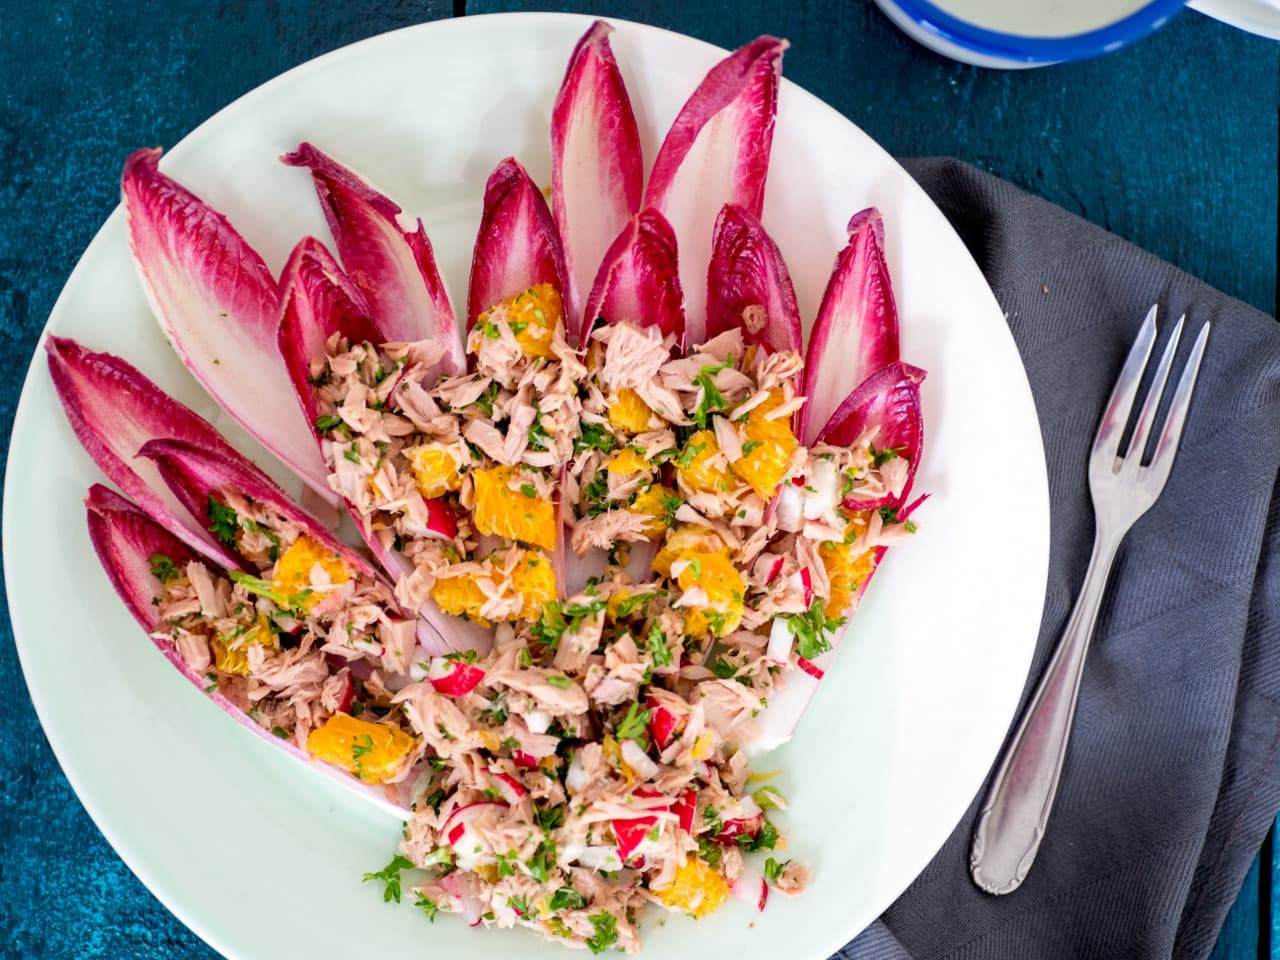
1171, 144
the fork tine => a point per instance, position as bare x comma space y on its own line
1120, 404
1167, 445
1142, 428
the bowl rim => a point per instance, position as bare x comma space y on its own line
1011, 46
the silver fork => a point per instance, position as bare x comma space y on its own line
1012, 821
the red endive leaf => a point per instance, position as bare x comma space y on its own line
748, 286
195, 475
125, 540
318, 300
856, 332
517, 245
889, 401
393, 267
218, 305
638, 280
789, 702
717, 152
597, 171
114, 410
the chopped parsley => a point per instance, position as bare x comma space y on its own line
567, 898
751, 446
362, 747
634, 725
529, 490
594, 436
352, 452
766, 839
773, 869
543, 861
549, 819
327, 422
881, 457
390, 875
556, 680
606, 925
539, 439
631, 603
487, 399
550, 626
713, 400
657, 645
223, 522
429, 907
162, 568
689, 454
889, 514
273, 552
910, 526
812, 630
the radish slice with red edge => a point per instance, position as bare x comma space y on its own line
114, 410
717, 152
664, 723
318, 301
889, 401
454, 678
751, 888
218, 305
685, 806
394, 267
597, 171
517, 245
125, 540
858, 314
639, 280
511, 789
748, 286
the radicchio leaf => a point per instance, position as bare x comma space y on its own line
318, 300
748, 286
856, 332
717, 152
517, 246
218, 305
114, 410
125, 540
638, 280
597, 171
393, 267
888, 401
196, 475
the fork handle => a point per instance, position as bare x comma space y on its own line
1012, 821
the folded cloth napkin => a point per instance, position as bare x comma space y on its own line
1173, 772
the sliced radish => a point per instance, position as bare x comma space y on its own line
522, 759
512, 790
685, 807
470, 849
751, 888
453, 678
781, 640
789, 508
664, 724
811, 668
638, 760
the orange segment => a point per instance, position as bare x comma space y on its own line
507, 505
845, 573
697, 889
682, 540
714, 573
695, 466
231, 655
535, 581
532, 578
435, 470
657, 502
767, 446
532, 316
460, 596
628, 412
293, 573
374, 752
627, 463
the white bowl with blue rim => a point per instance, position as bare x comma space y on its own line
1011, 34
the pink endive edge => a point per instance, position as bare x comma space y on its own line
732, 115
890, 400
858, 315
638, 280
597, 169
317, 301
113, 410
517, 245
393, 267
125, 539
195, 474
748, 285
218, 305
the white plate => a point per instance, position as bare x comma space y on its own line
260, 857
1256, 16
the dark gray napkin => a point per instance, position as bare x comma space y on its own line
1173, 774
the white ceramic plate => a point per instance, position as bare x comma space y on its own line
261, 857
1256, 16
